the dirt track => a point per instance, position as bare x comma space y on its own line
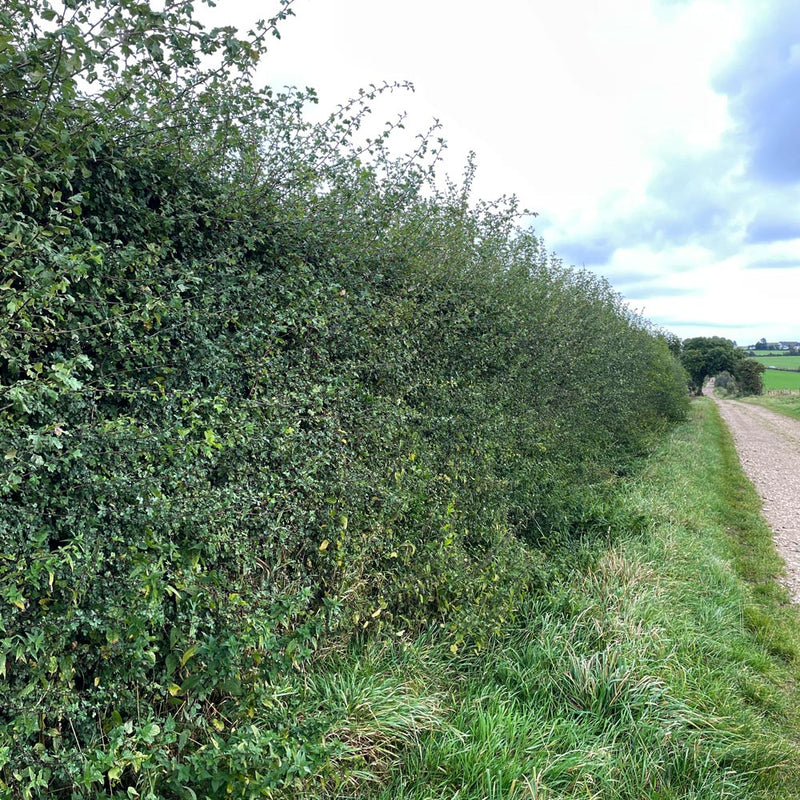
769, 449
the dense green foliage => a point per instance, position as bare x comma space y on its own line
707, 356
263, 388
750, 374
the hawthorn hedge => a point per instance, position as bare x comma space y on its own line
263, 386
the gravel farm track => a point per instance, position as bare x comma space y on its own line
769, 450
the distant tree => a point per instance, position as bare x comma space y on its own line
705, 356
748, 373
725, 381
761, 344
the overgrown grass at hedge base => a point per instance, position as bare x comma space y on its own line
263, 390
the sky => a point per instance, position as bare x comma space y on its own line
657, 140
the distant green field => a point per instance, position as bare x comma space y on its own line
757, 353
775, 380
782, 362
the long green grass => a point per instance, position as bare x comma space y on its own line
666, 669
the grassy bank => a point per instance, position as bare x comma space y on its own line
666, 669
788, 404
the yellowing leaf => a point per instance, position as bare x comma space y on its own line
174, 689
218, 725
324, 546
211, 439
188, 654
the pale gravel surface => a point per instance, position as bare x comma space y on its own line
769, 450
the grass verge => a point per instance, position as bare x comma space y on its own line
787, 404
667, 669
